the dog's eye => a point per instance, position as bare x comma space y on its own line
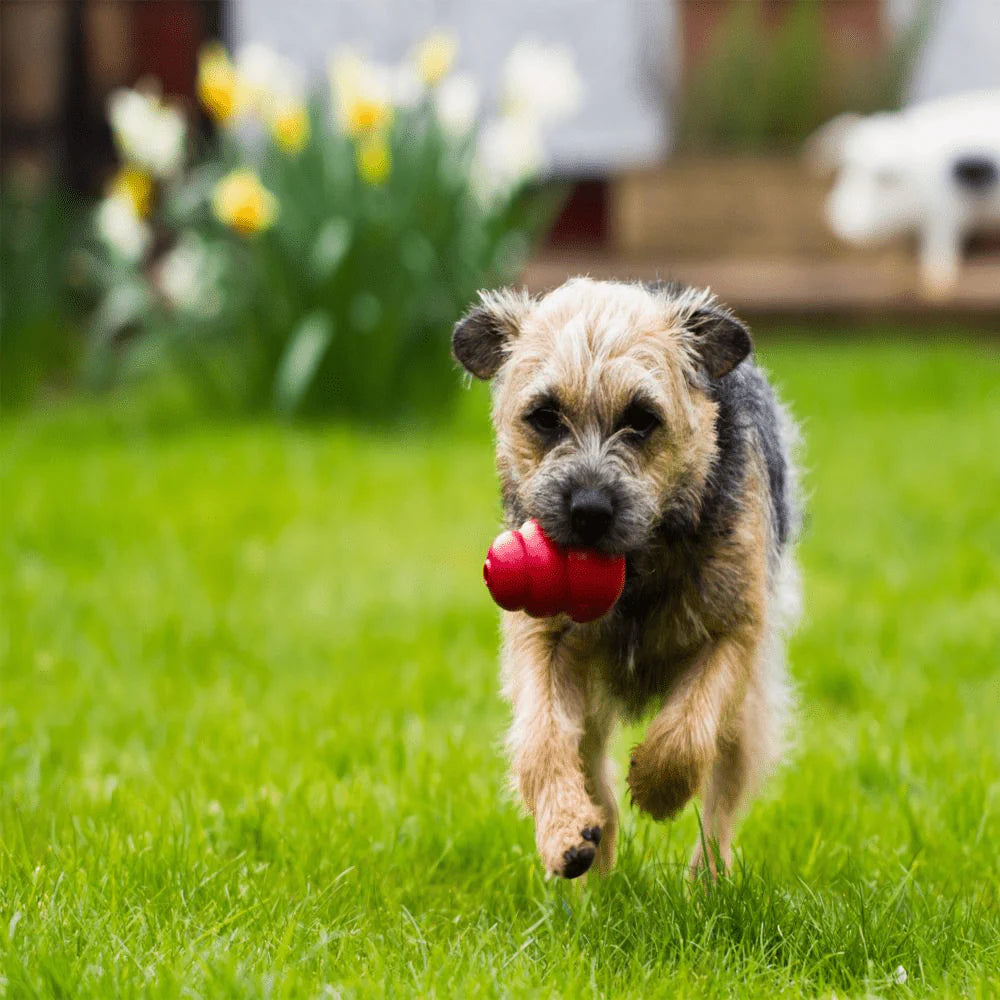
547, 420
639, 420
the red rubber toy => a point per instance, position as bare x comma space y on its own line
526, 571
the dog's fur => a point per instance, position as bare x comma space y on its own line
661, 411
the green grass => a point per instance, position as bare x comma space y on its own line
249, 719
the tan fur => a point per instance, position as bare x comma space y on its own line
599, 342
718, 728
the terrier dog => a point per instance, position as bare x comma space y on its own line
634, 420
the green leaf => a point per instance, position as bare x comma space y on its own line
185, 202
123, 305
417, 253
301, 359
365, 311
332, 243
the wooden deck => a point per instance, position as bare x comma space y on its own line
886, 287
754, 229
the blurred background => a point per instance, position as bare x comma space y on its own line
382, 163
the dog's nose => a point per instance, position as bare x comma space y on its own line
590, 513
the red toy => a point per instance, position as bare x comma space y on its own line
526, 571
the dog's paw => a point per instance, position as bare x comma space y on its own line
660, 791
571, 854
577, 861
710, 860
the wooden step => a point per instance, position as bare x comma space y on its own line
697, 208
792, 286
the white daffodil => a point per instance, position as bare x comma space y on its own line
509, 152
122, 229
257, 67
456, 101
188, 277
541, 81
146, 131
365, 94
344, 70
266, 80
434, 57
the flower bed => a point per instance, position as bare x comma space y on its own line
312, 256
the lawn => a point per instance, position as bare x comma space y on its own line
249, 718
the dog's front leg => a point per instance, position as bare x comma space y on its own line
547, 686
682, 742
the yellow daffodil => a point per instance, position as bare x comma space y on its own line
136, 187
366, 115
435, 56
217, 82
362, 94
374, 160
241, 202
290, 127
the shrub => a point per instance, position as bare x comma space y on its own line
39, 337
761, 87
313, 257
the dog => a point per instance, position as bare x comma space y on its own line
633, 419
932, 169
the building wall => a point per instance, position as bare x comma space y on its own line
962, 51
623, 50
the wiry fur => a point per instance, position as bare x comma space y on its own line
706, 513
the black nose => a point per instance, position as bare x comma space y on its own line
590, 514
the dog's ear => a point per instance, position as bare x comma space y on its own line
481, 338
721, 341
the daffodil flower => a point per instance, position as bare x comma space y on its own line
290, 127
146, 131
241, 202
374, 160
121, 229
541, 82
134, 186
435, 56
362, 94
188, 276
366, 116
456, 103
217, 82
509, 151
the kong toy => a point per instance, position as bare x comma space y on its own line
527, 571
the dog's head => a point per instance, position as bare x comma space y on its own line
602, 403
